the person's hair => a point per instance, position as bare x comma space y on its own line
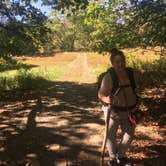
115, 52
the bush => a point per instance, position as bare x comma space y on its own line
153, 70
29, 79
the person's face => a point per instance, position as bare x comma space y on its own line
118, 63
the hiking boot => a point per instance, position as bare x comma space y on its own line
112, 162
124, 161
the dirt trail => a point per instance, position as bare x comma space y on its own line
63, 124
79, 71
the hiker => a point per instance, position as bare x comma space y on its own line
118, 90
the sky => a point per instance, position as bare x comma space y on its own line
47, 9
44, 9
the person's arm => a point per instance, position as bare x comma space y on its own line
105, 89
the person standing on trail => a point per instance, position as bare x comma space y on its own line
117, 89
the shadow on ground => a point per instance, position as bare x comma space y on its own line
49, 124
156, 110
53, 125
14, 65
151, 143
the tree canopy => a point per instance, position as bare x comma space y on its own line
81, 25
21, 27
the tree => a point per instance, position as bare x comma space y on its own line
74, 5
107, 31
81, 25
123, 24
68, 31
149, 20
21, 28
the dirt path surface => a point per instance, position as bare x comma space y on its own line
79, 71
63, 124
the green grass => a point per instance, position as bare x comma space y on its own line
12, 64
152, 69
49, 73
29, 78
100, 69
23, 76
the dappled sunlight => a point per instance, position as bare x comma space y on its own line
65, 127
53, 54
14, 65
51, 123
63, 123
155, 93
150, 131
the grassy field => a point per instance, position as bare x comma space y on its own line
27, 72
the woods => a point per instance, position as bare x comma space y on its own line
51, 55
73, 25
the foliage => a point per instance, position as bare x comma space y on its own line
146, 20
68, 31
62, 33
99, 27
29, 79
153, 70
81, 25
12, 65
62, 5
122, 24
103, 22
21, 28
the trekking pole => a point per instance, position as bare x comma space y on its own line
105, 136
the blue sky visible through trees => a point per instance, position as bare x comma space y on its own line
43, 8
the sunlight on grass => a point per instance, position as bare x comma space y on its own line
29, 79
153, 67
16, 75
49, 73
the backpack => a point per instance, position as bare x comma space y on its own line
114, 77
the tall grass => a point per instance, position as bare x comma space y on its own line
29, 79
153, 69
12, 64
19, 76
